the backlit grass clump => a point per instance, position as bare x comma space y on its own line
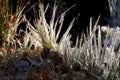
40, 56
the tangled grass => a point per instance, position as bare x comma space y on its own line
95, 57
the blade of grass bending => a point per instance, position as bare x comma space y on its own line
60, 27
95, 28
46, 7
77, 41
90, 32
67, 32
42, 12
30, 8
52, 32
99, 41
61, 17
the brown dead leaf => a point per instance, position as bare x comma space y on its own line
56, 57
11, 50
12, 20
47, 71
25, 54
44, 75
31, 74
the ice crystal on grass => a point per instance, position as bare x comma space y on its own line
96, 54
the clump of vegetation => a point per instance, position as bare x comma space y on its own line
40, 56
9, 22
